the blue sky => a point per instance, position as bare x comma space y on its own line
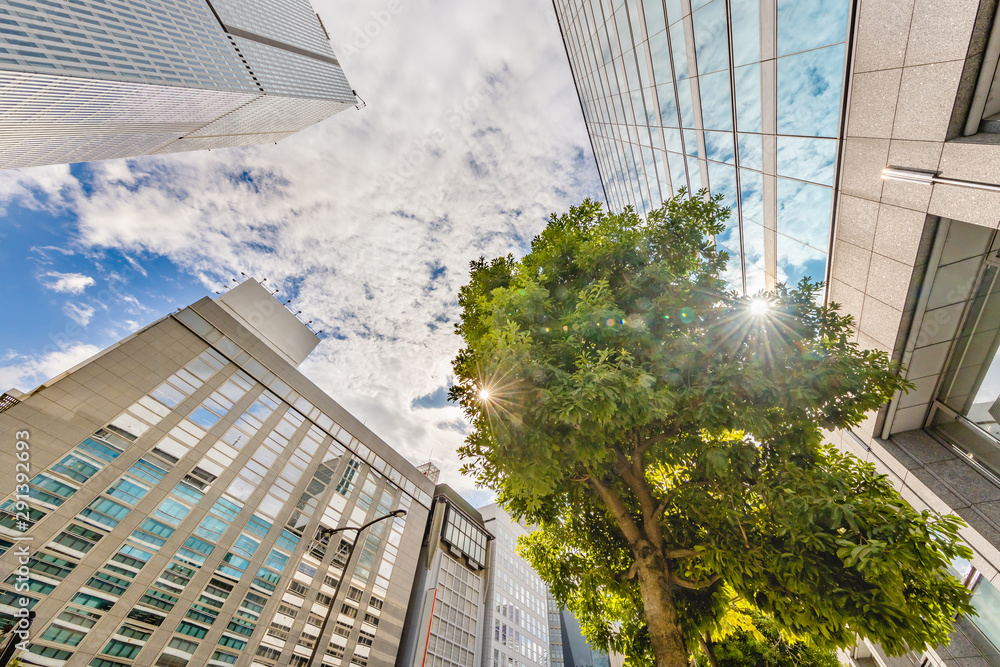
471, 137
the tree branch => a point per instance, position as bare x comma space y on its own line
681, 553
694, 585
637, 483
632, 571
618, 510
647, 444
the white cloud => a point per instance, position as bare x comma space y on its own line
68, 283
80, 313
471, 136
28, 371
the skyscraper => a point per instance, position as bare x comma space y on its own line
742, 97
180, 482
896, 105
92, 80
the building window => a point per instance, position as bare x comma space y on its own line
967, 410
465, 536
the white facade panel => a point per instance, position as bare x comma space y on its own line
88, 80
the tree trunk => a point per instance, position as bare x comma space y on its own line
661, 615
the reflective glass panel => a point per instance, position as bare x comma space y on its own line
679, 50
748, 98
986, 600
797, 260
716, 112
649, 167
746, 31
691, 143
672, 139
807, 159
653, 11
673, 10
710, 39
659, 51
642, 62
668, 106
808, 24
666, 191
809, 86
750, 151
652, 111
678, 171
684, 103
624, 34
753, 247
971, 382
804, 212
694, 174
631, 73
752, 197
719, 147
602, 38
722, 178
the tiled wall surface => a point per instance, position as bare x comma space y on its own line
913, 69
915, 64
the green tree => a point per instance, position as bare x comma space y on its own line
764, 646
666, 436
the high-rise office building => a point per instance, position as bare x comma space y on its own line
556, 656
742, 97
91, 80
873, 125
180, 482
517, 622
447, 610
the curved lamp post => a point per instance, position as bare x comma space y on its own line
350, 552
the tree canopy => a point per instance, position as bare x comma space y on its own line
666, 435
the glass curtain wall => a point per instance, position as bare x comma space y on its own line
740, 97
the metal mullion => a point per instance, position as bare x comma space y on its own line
736, 143
644, 44
845, 100
694, 82
656, 100
677, 106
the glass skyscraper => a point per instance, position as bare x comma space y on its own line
167, 504
743, 97
91, 79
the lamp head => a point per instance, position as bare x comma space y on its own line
398, 513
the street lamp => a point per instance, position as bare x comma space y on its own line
350, 552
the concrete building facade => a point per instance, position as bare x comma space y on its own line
169, 492
517, 626
92, 80
912, 216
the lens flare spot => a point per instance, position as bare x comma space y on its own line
611, 322
687, 315
759, 306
